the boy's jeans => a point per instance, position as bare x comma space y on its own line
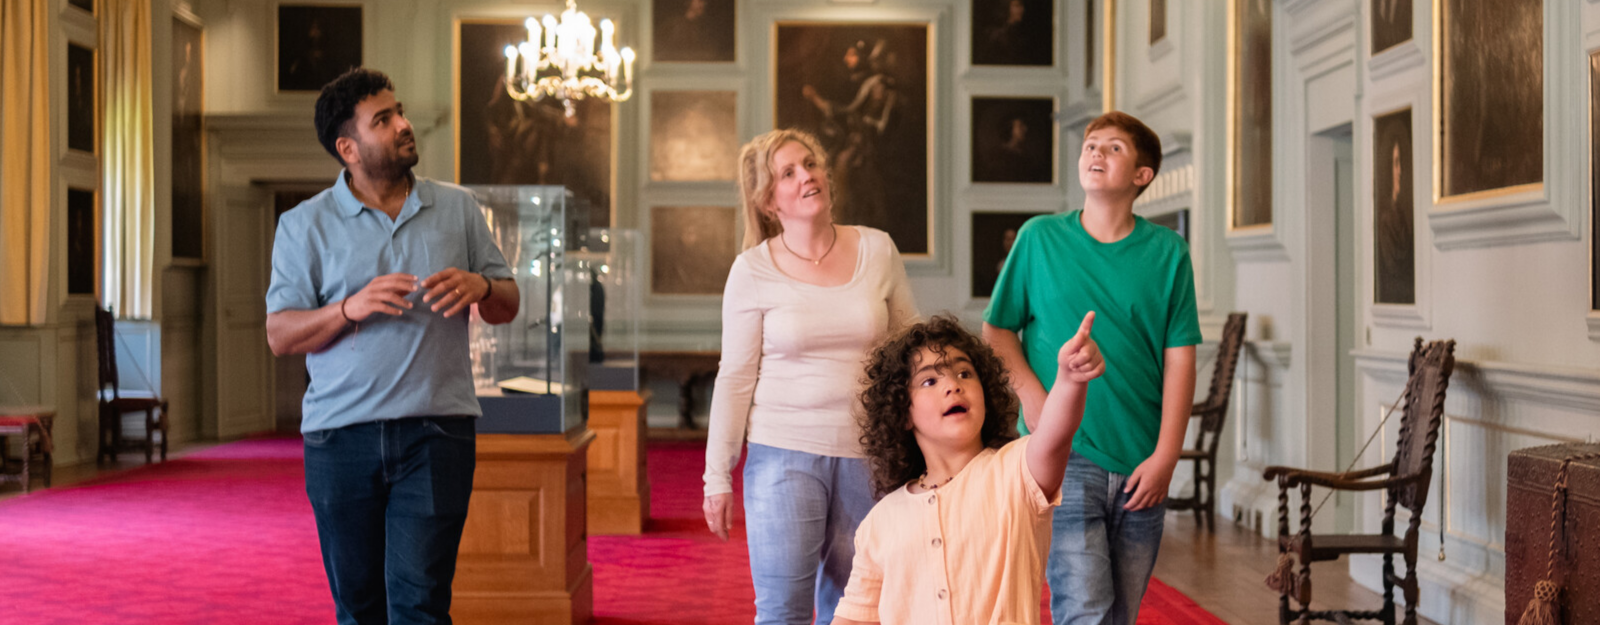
1100, 555
801, 512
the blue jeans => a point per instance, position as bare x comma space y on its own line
801, 512
1101, 556
390, 499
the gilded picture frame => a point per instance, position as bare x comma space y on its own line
1250, 115
1488, 98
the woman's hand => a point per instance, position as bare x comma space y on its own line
719, 514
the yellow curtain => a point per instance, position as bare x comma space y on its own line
128, 169
24, 161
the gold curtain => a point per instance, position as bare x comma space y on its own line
128, 167
24, 161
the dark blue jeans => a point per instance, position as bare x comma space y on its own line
390, 499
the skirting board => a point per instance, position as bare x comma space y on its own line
1448, 593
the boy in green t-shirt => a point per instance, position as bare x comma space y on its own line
1137, 278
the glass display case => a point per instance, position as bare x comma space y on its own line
616, 299
531, 374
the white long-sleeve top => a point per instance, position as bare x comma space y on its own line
793, 354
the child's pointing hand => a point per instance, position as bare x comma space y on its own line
1080, 359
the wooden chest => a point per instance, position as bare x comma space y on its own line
1531, 477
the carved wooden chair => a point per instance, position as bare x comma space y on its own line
114, 401
1405, 481
1212, 413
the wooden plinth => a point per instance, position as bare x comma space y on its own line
525, 552
619, 485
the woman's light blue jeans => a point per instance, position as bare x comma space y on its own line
1101, 556
801, 512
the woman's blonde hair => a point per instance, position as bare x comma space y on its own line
757, 180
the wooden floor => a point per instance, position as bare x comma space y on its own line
1225, 572
1221, 571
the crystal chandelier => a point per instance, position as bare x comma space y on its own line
559, 61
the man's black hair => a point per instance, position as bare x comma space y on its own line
337, 104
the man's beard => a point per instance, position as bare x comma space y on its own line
379, 165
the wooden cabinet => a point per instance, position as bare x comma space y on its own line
619, 485
524, 554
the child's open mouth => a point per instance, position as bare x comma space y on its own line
956, 409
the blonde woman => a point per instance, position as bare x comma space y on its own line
803, 305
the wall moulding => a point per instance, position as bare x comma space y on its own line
1572, 388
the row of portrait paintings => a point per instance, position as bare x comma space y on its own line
1004, 32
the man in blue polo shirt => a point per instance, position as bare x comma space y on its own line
372, 280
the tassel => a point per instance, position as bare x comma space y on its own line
1283, 578
1542, 608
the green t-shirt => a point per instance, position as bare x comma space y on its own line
1142, 292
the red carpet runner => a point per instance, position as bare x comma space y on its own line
226, 536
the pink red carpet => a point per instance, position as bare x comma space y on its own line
226, 536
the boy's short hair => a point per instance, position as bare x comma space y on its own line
1146, 145
886, 436
336, 105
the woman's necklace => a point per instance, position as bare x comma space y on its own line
926, 486
818, 261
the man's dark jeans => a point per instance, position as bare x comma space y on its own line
391, 499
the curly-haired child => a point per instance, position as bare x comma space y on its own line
963, 529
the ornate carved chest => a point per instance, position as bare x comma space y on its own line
1531, 478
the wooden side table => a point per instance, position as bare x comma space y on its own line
34, 424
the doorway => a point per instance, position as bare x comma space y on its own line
1331, 309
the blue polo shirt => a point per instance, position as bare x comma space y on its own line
386, 367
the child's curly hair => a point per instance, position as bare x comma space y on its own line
886, 435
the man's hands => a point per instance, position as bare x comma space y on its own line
384, 294
719, 514
1149, 481
453, 290
1079, 359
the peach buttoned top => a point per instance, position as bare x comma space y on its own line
972, 551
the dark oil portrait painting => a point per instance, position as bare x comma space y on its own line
862, 89
1158, 20
1176, 221
1391, 23
1013, 32
502, 140
80, 98
1393, 218
1252, 114
693, 30
1594, 180
694, 135
316, 43
691, 249
1013, 140
81, 256
1491, 95
993, 235
187, 146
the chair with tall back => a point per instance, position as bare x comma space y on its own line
1212, 413
1405, 481
114, 401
